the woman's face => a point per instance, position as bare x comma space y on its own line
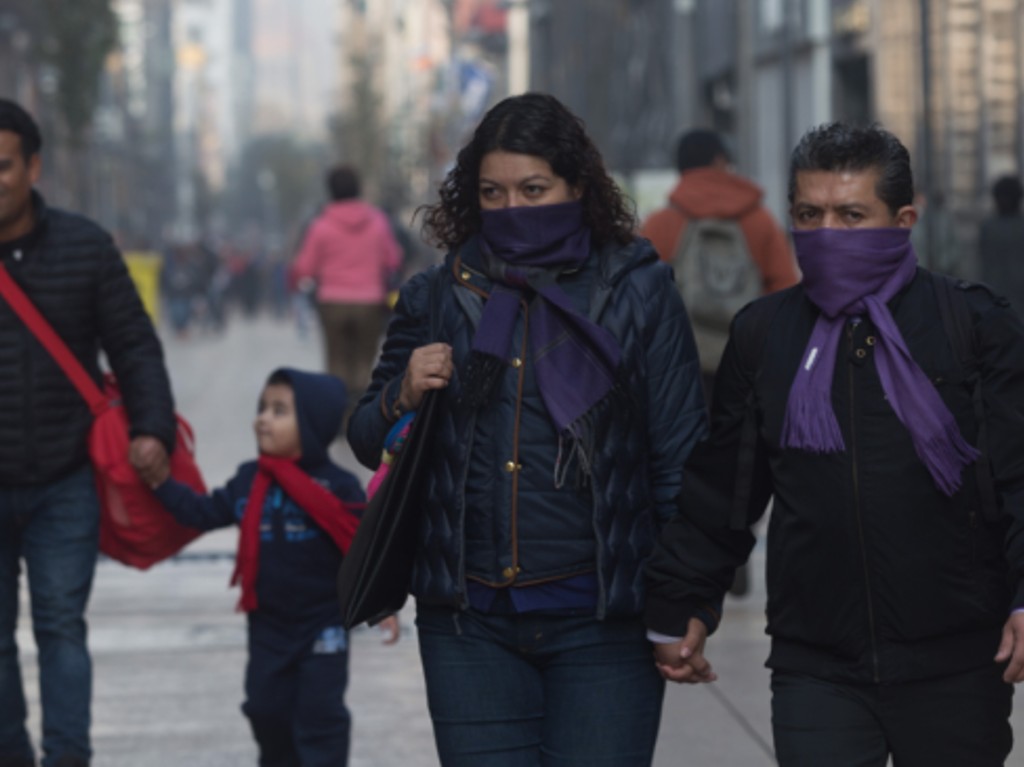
511, 180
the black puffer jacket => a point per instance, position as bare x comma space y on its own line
74, 274
874, 575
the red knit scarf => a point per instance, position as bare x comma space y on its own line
326, 509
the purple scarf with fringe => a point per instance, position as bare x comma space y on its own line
524, 249
853, 272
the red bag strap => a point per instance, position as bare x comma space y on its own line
46, 335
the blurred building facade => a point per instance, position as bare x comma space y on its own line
416, 75
125, 160
947, 76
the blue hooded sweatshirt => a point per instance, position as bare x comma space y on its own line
298, 562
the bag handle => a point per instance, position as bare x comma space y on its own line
46, 335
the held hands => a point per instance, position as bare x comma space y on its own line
430, 367
149, 457
390, 628
1012, 649
683, 661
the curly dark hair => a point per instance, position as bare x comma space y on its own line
534, 124
842, 147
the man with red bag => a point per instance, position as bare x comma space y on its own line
72, 272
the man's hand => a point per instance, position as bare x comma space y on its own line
149, 457
1012, 649
683, 661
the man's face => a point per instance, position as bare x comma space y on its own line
843, 200
17, 177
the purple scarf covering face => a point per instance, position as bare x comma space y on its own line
852, 272
524, 249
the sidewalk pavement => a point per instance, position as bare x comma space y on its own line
169, 649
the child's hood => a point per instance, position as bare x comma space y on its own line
320, 402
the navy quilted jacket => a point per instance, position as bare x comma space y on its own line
639, 450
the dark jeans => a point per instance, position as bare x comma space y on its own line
55, 530
962, 719
529, 690
295, 698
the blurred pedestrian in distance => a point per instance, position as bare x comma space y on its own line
934, 221
350, 254
708, 189
570, 396
1001, 242
181, 286
895, 584
296, 509
49, 511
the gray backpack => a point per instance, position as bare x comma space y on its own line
717, 277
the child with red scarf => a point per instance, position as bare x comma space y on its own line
297, 511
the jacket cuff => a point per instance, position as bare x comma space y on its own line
389, 395
1018, 599
171, 493
670, 618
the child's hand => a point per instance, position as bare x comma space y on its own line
391, 628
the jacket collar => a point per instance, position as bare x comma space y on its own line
20, 247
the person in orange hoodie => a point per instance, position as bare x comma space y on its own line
708, 189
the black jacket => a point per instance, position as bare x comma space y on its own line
873, 574
73, 273
542, 535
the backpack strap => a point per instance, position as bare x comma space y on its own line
959, 327
759, 316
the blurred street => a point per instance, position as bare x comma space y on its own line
169, 650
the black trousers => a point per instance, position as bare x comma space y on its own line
295, 699
960, 720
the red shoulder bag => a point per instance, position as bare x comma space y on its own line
134, 527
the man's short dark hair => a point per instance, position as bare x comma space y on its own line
343, 183
16, 120
1008, 193
699, 148
837, 147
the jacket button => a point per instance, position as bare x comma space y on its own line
861, 354
509, 572
870, 340
517, 363
511, 466
465, 276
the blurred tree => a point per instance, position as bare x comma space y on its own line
358, 133
278, 183
77, 38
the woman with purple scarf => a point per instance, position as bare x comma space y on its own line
570, 395
895, 588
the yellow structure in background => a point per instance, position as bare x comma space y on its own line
144, 268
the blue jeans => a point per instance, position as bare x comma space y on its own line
538, 689
55, 529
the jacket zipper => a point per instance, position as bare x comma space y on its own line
857, 513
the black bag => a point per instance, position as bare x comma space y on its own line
374, 578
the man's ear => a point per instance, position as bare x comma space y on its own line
906, 217
35, 167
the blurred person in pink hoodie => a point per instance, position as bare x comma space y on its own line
350, 254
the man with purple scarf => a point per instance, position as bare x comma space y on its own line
895, 594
